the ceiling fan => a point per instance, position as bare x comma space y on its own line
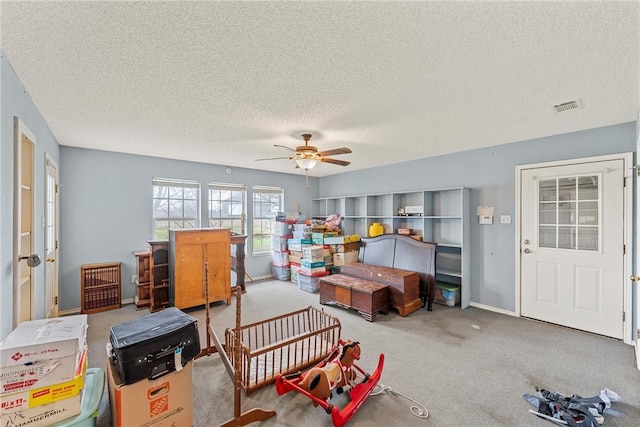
307, 156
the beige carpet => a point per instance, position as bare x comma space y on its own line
468, 367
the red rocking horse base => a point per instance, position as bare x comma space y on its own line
321, 394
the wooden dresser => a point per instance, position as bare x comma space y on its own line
188, 251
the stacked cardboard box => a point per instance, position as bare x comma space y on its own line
43, 365
163, 402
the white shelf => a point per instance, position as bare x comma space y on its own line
445, 221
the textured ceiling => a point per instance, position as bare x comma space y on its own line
221, 82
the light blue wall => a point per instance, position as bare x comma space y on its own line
490, 174
106, 198
15, 102
106, 205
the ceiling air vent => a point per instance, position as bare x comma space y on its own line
567, 106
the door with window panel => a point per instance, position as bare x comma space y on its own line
572, 245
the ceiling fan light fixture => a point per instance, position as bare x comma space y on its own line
306, 163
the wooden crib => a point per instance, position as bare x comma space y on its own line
283, 345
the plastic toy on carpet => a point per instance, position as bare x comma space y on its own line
339, 373
571, 409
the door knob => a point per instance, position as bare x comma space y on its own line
33, 260
527, 251
634, 277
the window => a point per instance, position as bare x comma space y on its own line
227, 206
267, 202
569, 212
175, 206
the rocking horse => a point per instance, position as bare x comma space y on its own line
337, 372
335, 375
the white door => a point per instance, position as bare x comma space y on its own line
572, 245
51, 238
24, 223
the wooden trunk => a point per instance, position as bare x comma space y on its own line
188, 251
367, 297
404, 285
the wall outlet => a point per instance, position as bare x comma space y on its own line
134, 278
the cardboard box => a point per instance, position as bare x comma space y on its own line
163, 402
312, 253
342, 258
36, 340
18, 378
347, 247
341, 239
44, 415
39, 396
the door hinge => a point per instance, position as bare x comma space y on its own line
638, 334
624, 316
624, 181
56, 244
55, 300
57, 188
624, 249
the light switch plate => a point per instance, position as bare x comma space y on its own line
505, 219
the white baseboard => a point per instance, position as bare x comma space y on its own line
69, 312
636, 343
78, 309
266, 276
494, 309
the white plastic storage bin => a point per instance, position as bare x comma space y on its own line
281, 272
279, 243
309, 283
281, 228
280, 258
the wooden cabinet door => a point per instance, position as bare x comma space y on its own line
191, 249
218, 256
189, 273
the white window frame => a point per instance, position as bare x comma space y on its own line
173, 196
264, 212
232, 219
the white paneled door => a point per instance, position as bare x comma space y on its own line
572, 245
51, 238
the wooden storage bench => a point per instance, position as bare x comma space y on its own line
404, 285
369, 298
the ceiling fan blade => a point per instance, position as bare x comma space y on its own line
276, 158
335, 161
333, 152
284, 146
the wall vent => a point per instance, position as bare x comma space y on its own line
566, 106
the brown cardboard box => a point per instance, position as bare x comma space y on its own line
343, 258
347, 247
166, 401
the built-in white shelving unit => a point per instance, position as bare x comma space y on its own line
444, 220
